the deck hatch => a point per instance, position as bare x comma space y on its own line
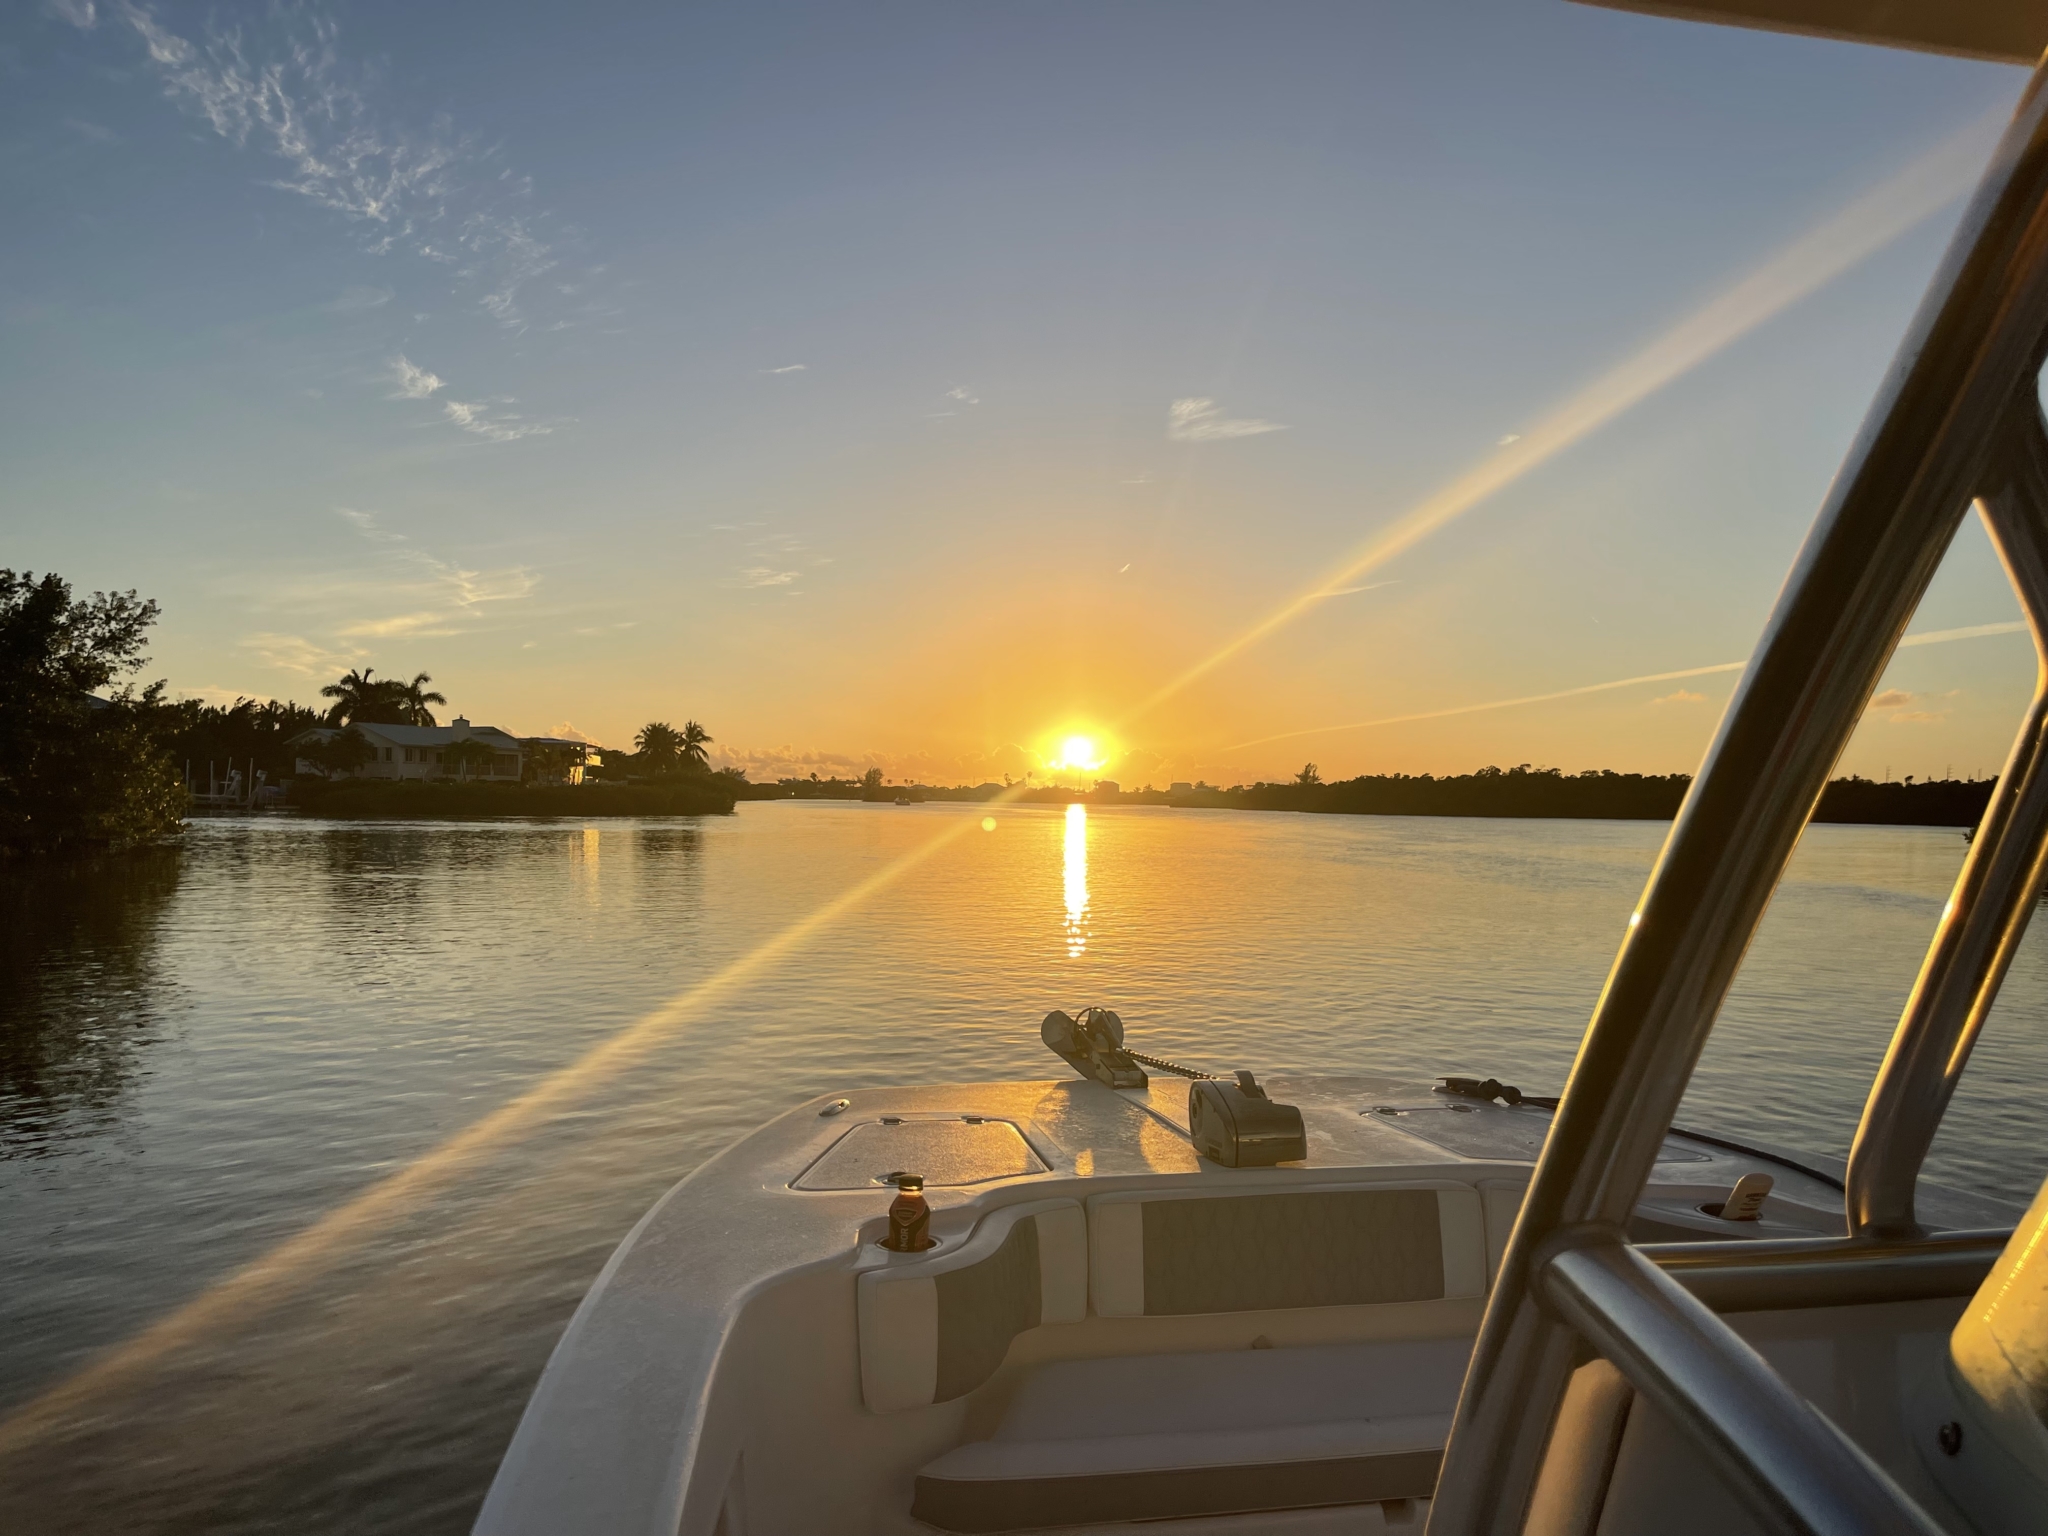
949, 1151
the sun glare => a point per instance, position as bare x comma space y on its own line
1079, 752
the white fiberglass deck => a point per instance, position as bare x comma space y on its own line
1111, 1329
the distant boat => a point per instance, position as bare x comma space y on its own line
903, 799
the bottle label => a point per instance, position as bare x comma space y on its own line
910, 1221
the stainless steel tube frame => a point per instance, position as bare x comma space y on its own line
1986, 917
1797, 1473
1917, 463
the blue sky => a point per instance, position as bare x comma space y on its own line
914, 384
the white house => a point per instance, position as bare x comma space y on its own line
418, 751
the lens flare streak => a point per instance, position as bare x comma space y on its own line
1867, 225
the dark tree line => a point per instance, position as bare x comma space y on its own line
1520, 792
1596, 795
237, 733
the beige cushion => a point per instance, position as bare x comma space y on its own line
1246, 1246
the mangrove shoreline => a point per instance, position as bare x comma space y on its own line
1507, 793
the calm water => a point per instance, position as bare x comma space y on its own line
203, 1054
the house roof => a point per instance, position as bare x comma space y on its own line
417, 735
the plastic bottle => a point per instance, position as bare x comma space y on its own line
910, 1219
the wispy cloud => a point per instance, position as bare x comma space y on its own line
425, 624
281, 87
413, 382
472, 591
788, 368
964, 394
357, 297
91, 132
777, 560
295, 653
1202, 421
367, 525
1897, 705
488, 421
1682, 696
440, 596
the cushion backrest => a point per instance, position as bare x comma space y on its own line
1172, 1252
935, 1326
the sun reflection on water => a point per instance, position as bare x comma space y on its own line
1077, 880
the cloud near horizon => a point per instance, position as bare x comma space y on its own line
1895, 704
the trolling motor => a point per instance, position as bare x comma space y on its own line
1093, 1045
1231, 1122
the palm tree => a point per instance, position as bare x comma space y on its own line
417, 700
695, 740
662, 745
355, 695
469, 753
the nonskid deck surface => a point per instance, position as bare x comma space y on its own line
751, 1361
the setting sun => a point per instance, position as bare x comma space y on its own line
1078, 752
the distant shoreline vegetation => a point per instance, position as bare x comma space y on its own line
1521, 792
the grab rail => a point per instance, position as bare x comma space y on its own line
1795, 1470
1926, 450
